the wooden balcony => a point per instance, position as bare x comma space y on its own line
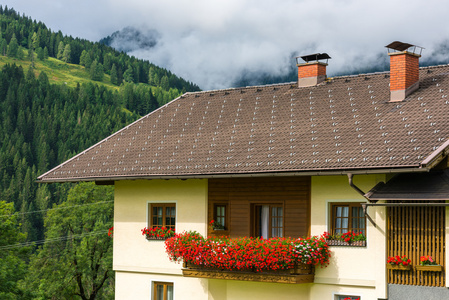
301, 274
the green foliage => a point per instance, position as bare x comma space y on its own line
12, 255
49, 111
60, 50
66, 54
96, 71
13, 47
114, 75
128, 76
77, 259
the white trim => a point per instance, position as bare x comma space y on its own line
152, 281
346, 294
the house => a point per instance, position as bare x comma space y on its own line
365, 153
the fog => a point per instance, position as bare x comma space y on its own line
211, 43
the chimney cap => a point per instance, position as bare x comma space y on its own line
313, 57
400, 46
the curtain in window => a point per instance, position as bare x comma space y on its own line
342, 219
170, 292
160, 292
265, 217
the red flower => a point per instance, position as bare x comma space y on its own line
252, 254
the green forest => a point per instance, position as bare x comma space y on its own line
60, 95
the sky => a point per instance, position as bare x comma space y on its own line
212, 42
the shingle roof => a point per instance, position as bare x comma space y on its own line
413, 186
345, 123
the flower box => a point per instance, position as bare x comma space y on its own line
399, 267
154, 238
300, 274
219, 232
347, 244
158, 233
429, 268
284, 260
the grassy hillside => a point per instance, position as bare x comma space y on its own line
58, 72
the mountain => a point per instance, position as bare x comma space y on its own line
129, 39
59, 95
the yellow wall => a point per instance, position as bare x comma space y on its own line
353, 269
132, 252
137, 286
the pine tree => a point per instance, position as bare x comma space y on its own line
35, 41
60, 50
164, 83
20, 54
3, 47
66, 54
46, 53
85, 59
114, 79
40, 53
128, 76
13, 46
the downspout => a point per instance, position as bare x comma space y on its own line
364, 205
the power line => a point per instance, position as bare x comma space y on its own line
56, 208
61, 238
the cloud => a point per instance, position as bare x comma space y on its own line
212, 42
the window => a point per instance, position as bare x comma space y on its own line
268, 221
220, 214
162, 215
348, 217
162, 291
346, 297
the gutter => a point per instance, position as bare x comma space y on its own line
436, 156
405, 169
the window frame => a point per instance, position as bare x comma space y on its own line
150, 206
165, 284
254, 218
352, 297
350, 205
226, 214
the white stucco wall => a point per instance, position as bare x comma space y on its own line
352, 270
138, 262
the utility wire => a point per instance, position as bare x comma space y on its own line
61, 238
56, 208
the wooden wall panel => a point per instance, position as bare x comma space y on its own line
416, 231
241, 193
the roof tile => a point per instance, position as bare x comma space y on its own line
342, 124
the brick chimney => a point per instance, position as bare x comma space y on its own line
404, 70
313, 71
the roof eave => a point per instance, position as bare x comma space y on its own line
324, 172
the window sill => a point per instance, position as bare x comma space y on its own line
346, 244
156, 238
219, 232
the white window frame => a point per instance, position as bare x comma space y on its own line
153, 281
346, 294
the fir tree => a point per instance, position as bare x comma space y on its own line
66, 54
60, 50
13, 47
114, 78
